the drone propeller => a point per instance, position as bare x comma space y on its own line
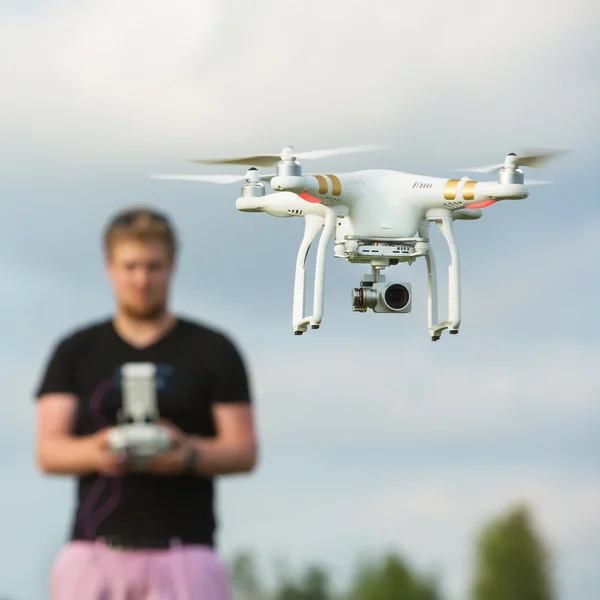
534, 158
288, 153
250, 176
536, 182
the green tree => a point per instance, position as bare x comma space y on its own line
313, 584
512, 560
245, 581
390, 578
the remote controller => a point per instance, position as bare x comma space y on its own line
138, 433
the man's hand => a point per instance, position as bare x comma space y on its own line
103, 460
174, 461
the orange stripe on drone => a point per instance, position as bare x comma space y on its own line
309, 198
482, 204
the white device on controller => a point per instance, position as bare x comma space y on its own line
138, 433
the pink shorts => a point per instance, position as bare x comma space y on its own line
93, 571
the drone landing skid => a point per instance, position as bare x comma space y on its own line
313, 224
444, 221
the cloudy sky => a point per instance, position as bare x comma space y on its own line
373, 437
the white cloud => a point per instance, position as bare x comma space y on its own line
544, 272
134, 79
461, 394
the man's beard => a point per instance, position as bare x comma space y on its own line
147, 312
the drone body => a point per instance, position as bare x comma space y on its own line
376, 217
384, 202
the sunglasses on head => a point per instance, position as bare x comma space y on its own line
128, 218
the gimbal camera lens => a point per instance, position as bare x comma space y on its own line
358, 298
396, 296
363, 298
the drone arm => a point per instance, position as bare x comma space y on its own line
313, 224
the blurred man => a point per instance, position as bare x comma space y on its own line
146, 535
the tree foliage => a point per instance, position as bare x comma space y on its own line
390, 577
244, 577
313, 584
384, 578
512, 561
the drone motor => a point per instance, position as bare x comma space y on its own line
510, 172
288, 166
253, 186
510, 175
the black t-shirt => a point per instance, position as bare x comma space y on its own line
206, 368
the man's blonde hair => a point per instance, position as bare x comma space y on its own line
141, 224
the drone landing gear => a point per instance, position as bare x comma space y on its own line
313, 224
444, 222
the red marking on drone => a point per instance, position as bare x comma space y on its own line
309, 198
482, 204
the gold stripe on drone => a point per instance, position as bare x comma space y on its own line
468, 190
336, 184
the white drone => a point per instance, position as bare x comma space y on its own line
378, 217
